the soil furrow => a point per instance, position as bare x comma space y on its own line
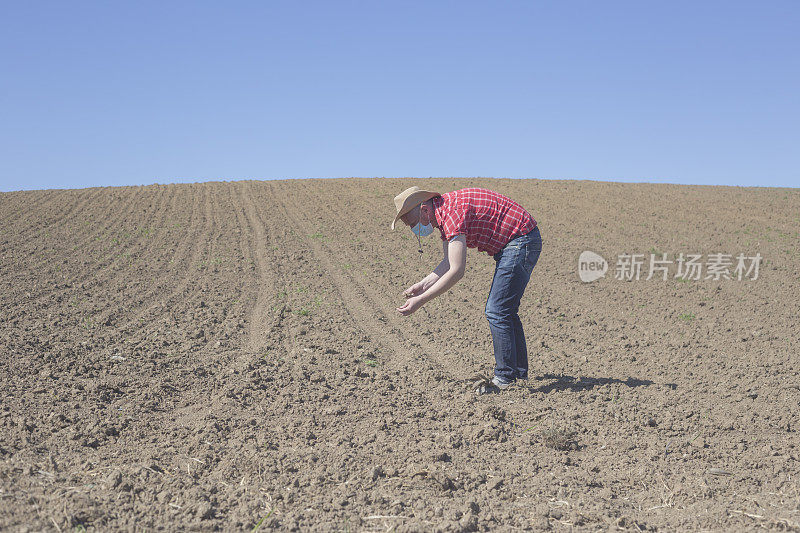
201, 228
63, 288
362, 311
59, 211
161, 277
25, 209
260, 325
370, 308
56, 277
152, 225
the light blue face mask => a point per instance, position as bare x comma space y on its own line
422, 231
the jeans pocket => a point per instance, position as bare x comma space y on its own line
532, 256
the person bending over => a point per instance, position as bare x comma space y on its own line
478, 218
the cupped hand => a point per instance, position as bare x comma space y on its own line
411, 305
414, 290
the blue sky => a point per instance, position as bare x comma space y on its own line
117, 93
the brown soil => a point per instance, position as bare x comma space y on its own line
228, 356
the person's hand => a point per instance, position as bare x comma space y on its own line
414, 290
411, 305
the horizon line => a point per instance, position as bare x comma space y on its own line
599, 180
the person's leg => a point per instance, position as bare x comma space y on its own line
502, 306
532, 249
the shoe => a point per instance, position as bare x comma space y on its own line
481, 384
486, 387
500, 384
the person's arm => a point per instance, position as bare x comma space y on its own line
455, 267
439, 271
422, 286
456, 261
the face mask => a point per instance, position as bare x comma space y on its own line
422, 231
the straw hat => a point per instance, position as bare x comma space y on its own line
409, 199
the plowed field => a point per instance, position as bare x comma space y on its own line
227, 356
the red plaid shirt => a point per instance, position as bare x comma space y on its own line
488, 219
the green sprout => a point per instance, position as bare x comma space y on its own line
258, 524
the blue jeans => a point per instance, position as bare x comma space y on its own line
515, 263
